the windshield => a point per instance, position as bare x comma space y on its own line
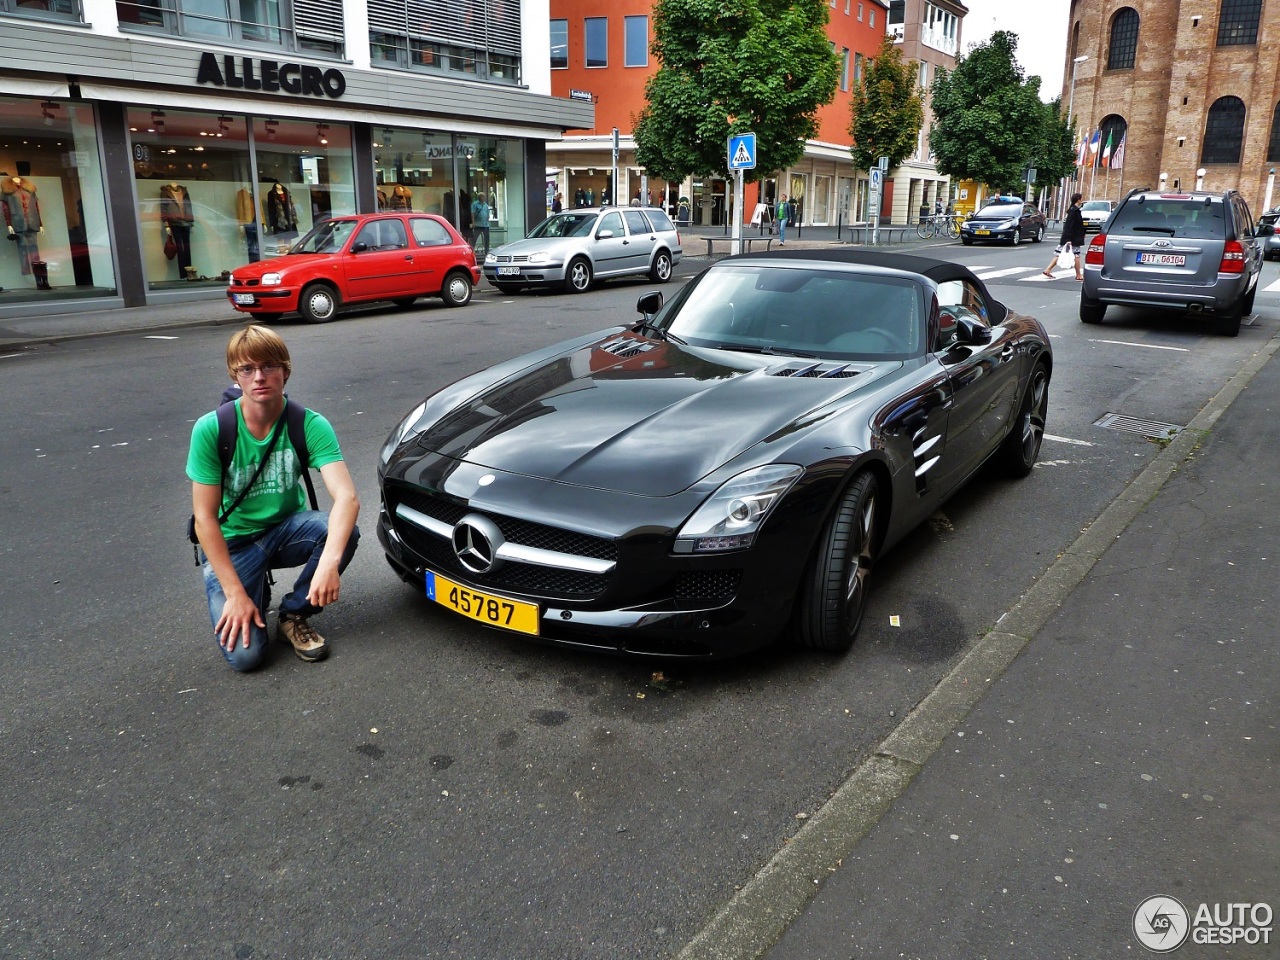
1194, 219
1005, 211
800, 311
565, 225
1102, 205
327, 237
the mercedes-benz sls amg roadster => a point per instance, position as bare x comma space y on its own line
722, 471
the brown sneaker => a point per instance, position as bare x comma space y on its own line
307, 644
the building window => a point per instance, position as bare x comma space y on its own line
873, 18
636, 42
597, 41
314, 27
857, 68
481, 39
1124, 40
924, 74
1238, 23
1224, 131
44, 9
844, 68
1273, 149
559, 44
860, 11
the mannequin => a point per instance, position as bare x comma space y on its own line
248, 222
178, 219
22, 217
401, 199
282, 216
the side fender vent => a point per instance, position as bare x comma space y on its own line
837, 371
627, 346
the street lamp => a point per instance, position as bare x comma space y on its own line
1071, 101
1200, 178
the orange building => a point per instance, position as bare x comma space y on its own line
600, 53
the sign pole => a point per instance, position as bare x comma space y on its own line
737, 211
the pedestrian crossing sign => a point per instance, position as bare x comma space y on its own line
742, 151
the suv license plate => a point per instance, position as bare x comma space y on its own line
244, 299
1163, 259
487, 608
508, 271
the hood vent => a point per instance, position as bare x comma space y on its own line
836, 371
627, 346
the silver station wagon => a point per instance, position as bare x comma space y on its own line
571, 250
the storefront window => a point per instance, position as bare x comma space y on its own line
305, 175
54, 205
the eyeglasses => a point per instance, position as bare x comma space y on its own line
250, 369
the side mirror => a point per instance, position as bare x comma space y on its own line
649, 303
604, 235
970, 332
359, 247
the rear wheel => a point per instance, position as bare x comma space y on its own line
577, 278
319, 303
456, 291
660, 272
1091, 311
834, 596
1021, 447
1039, 235
1227, 323
924, 229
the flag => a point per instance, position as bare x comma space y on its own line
1106, 152
1084, 144
1117, 158
1095, 141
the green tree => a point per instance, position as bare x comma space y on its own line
734, 66
888, 110
1055, 153
988, 119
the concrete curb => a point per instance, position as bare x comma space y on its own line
757, 916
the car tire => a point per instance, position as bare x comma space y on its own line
319, 303
456, 291
660, 272
404, 303
834, 596
1017, 236
1021, 447
968, 242
1039, 235
1227, 323
577, 276
1091, 310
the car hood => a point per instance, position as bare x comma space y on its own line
254, 271
528, 245
639, 416
1014, 214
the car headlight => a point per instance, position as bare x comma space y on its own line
403, 429
541, 257
730, 518
1008, 225
272, 279
490, 258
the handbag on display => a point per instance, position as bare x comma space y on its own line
1066, 258
170, 247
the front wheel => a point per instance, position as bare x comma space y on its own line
1017, 236
953, 230
834, 598
456, 291
318, 303
660, 272
577, 278
968, 242
1021, 447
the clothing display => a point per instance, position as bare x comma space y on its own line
22, 217
178, 219
282, 216
401, 199
382, 201
244, 214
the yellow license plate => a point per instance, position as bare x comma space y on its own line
485, 607
983, 233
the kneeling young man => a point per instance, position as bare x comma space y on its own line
271, 526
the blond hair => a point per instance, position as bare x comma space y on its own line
257, 344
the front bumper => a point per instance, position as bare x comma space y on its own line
529, 275
280, 299
988, 237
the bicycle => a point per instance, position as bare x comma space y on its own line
938, 225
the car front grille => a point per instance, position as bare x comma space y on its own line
710, 585
508, 258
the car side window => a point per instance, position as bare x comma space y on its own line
383, 235
661, 222
636, 222
429, 233
611, 221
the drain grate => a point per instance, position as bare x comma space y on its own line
1146, 428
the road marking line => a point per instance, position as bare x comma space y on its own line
1078, 443
1148, 346
1272, 287
1041, 278
156, 336
1003, 273
9, 355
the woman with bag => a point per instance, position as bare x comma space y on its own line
1072, 240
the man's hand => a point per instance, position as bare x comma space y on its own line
239, 616
325, 585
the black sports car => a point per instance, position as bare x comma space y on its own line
727, 468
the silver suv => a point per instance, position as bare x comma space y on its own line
1177, 251
573, 248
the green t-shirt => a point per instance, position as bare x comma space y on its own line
279, 492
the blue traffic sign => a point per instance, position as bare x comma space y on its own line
742, 151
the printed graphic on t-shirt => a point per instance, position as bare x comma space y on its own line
279, 476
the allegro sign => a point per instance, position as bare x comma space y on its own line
246, 73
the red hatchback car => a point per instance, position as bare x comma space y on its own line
358, 259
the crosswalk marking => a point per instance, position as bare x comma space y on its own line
1008, 271
1273, 287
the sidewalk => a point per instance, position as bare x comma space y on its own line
1029, 806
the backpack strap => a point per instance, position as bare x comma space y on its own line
295, 415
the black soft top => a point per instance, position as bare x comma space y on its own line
939, 271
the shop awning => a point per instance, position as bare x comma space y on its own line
47, 89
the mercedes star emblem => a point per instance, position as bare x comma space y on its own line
476, 540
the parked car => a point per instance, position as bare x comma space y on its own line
359, 259
1267, 235
572, 249
1191, 251
726, 467
1095, 213
1005, 222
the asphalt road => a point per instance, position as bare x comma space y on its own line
435, 789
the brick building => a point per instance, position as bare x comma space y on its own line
1191, 87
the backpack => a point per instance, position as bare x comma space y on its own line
295, 415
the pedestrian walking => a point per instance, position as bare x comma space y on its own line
1072, 233
250, 515
557, 204
783, 214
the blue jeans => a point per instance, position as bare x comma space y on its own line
782, 230
296, 541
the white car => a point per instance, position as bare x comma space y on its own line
1095, 213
